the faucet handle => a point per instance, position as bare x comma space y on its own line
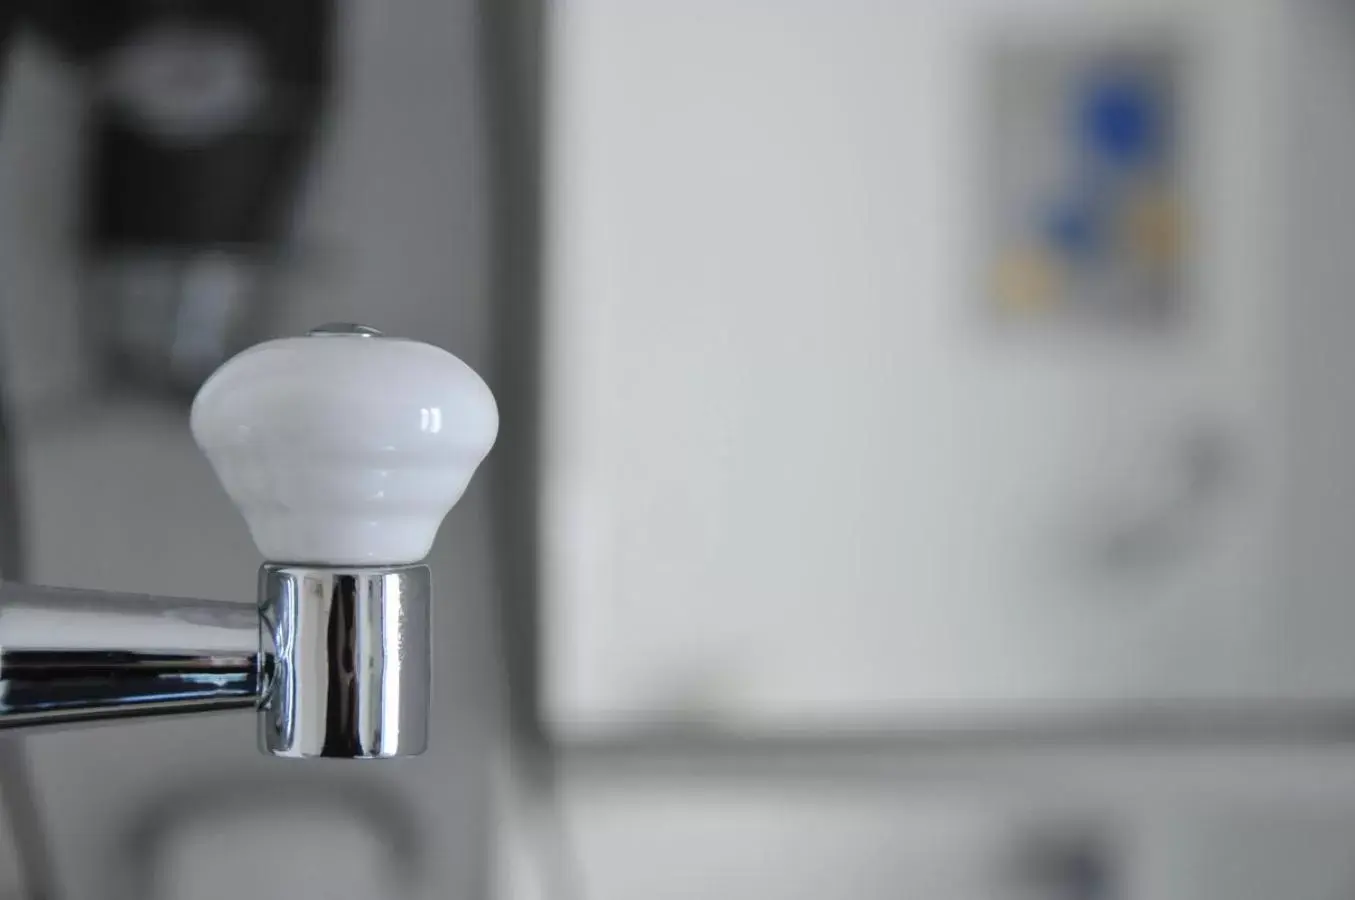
344, 447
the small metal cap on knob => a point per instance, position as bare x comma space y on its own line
349, 329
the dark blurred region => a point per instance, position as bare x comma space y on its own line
201, 120
924, 466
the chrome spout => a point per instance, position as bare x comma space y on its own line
337, 661
76, 656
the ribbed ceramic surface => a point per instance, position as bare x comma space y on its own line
345, 447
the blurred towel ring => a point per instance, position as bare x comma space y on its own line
373, 805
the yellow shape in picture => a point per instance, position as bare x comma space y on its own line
1027, 282
1154, 226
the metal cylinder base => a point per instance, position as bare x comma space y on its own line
347, 660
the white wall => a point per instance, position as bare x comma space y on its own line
793, 477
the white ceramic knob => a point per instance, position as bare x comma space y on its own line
344, 447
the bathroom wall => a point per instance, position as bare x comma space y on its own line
783, 464
391, 233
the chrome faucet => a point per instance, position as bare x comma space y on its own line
343, 449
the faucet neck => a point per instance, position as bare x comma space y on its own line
347, 660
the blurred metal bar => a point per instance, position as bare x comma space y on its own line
515, 47
513, 38
1173, 722
1282, 763
1158, 728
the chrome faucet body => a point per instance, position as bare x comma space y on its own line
335, 655
336, 661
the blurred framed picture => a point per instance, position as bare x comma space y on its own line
1086, 207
